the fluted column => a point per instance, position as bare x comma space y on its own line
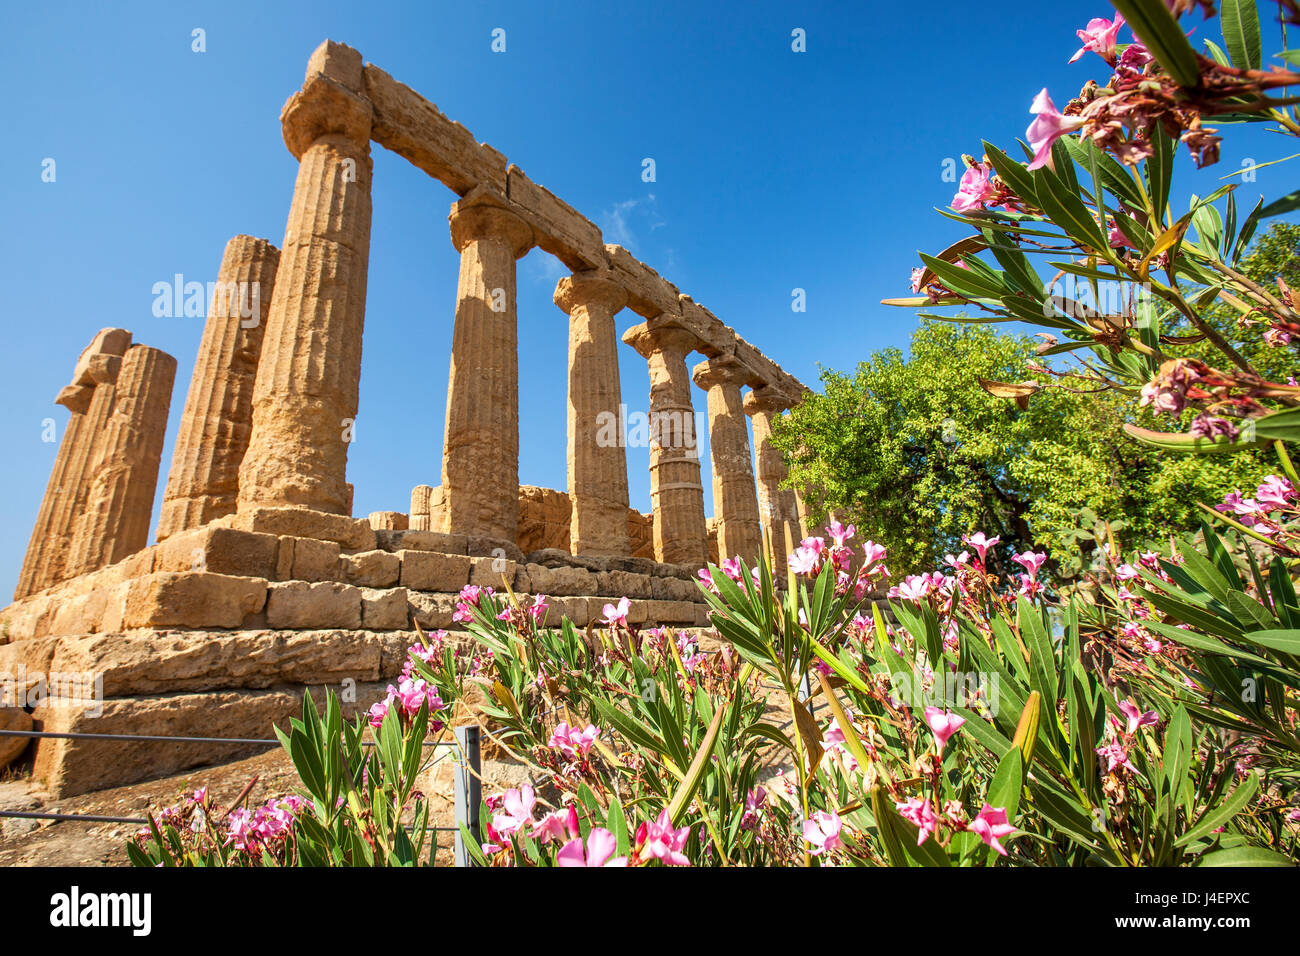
119, 503
306, 389
214, 429
735, 500
597, 456
90, 400
420, 496
676, 493
480, 462
776, 505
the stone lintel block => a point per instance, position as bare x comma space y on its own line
385, 610
322, 604
625, 584
716, 340
315, 560
409, 125
106, 342
372, 569
422, 541
434, 571
75, 398
559, 228
219, 550
339, 62
487, 572
649, 294
192, 599
389, 520
352, 534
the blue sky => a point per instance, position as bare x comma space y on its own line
775, 170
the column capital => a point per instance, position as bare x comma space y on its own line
648, 338
596, 287
327, 105
767, 400
724, 370
483, 214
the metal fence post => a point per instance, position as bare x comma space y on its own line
468, 788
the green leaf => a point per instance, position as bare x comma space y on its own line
1283, 425
1245, 856
1287, 641
695, 772
1240, 22
1217, 816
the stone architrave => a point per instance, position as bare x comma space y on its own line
306, 391
776, 505
597, 456
90, 400
119, 503
676, 492
735, 500
214, 429
480, 462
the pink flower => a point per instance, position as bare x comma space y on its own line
731, 568
918, 812
916, 278
1275, 493
557, 825
974, 190
1048, 126
943, 723
706, 578
1099, 37
838, 533
1136, 718
1116, 756
980, 543
804, 560
601, 845
615, 616
1117, 239
378, 711
823, 832
518, 811
990, 826
1031, 561
570, 741
914, 588
659, 841
1276, 337
872, 552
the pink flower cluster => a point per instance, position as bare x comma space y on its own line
575, 744
249, 831
813, 553
471, 595
408, 696
1274, 494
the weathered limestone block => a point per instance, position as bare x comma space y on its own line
214, 429
11, 748
641, 534
352, 534
420, 520
560, 229
372, 569
147, 662
675, 589
488, 572
561, 580
220, 550
432, 611
434, 571
315, 560
422, 541
306, 389
192, 599
544, 519
488, 547
22, 665
325, 604
676, 492
90, 400
523, 583
625, 584
70, 767
385, 610
119, 502
734, 494
388, 520
597, 460
649, 294
669, 612
480, 465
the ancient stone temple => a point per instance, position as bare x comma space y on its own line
261, 583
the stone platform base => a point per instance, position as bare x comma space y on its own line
217, 632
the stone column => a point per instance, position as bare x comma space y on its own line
597, 456
119, 504
676, 493
735, 500
776, 505
214, 429
305, 393
420, 508
480, 462
90, 400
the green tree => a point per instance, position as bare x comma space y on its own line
915, 453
